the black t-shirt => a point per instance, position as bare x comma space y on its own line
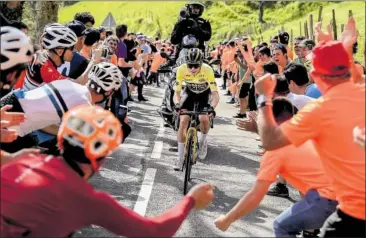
130, 44
153, 49
75, 68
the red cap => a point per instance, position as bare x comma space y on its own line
330, 59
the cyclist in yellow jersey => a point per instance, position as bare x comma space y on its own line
200, 83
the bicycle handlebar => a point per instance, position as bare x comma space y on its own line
205, 112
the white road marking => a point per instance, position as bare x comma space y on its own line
158, 148
147, 184
145, 192
158, 145
161, 131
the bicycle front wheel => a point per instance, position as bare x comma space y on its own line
188, 162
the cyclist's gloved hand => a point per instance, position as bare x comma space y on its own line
212, 112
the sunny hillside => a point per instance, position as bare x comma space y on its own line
228, 19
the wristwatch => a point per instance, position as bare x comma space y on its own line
264, 100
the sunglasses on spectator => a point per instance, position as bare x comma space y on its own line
196, 66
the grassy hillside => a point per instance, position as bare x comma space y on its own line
228, 19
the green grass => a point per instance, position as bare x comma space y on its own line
233, 18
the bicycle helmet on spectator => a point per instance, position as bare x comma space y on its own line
77, 26
104, 78
56, 35
194, 56
189, 41
15, 48
91, 132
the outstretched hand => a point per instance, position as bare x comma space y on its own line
321, 35
350, 34
202, 195
12, 118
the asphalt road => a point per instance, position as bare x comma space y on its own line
140, 173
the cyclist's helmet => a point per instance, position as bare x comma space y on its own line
91, 128
104, 78
194, 56
15, 48
189, 41
56, 35
194, 5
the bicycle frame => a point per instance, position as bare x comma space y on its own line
191, 143
192, 130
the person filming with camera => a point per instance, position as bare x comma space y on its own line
191, 23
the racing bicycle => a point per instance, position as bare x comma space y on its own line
191, 144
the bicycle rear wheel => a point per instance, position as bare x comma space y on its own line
188, 163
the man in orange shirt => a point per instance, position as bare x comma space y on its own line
284, 39
328, 122
303, 169
157, 61
230, 64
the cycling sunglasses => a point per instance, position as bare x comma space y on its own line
196, 66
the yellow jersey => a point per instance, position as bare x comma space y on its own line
198, 83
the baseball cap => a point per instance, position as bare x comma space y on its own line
140, 37
284, 37
331, 59
307, 44
77, 27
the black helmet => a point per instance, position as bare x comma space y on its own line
194, 56
77, 26
189, 41
195, 4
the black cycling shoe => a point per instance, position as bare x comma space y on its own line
130, 99
142, 99
232, 101
240, 115
279, 190
227, 94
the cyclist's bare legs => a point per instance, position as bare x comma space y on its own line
181, 137
204, 127
182, 131
204, 124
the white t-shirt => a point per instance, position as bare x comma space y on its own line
298, 100
43, 107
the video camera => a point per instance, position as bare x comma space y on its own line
184, 13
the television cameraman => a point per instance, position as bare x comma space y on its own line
191, 23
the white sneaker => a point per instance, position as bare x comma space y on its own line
178, 164
202, 152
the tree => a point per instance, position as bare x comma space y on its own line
46, 12
12, 10
261, 11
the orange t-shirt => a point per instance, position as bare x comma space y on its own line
214, 54
230, 59
329, 122
157, 61
85, 54
224, 58
114, 60
289, 53
301, 167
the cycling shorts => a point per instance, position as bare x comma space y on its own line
189, 98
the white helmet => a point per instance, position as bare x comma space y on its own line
15, 48
56, 35
105, 77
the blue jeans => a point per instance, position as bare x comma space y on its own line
309, 213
